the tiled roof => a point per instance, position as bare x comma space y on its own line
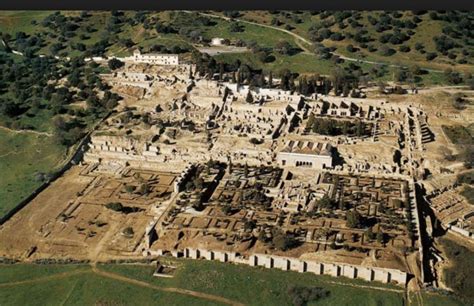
307, 147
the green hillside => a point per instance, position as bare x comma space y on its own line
397, 37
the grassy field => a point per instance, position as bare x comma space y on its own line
304, 62
40, 121
54, 286
468, 193
22, 156
263, 36
458, 275
424, 33
458, 134
260, 286
25, 284
20, 21
431, 299
300, 63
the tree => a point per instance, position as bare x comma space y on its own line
128, 43
303, 295
144, 189
115, 206
281, 241
246, 170
236, 27
419, 46
325, 202
250, 225
221, 71
199, 183
283, 47
387, 51
397, 156
255, 141
369, 234
198, 205
470, 82
115, 64
360, 128
338, 77
128, 231
249, 98
431, 56
453, 77
380, 237
353, 219
129, 188
226, 209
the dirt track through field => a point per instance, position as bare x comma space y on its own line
44, 279
136, 282
300, 39
121, 278
25, 131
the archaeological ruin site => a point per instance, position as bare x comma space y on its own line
204, 167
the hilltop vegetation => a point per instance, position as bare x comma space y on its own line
46, 106
401, 38
434, 39
69, 34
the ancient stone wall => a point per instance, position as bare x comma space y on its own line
294, 264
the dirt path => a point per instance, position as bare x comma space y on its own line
95, 253
25, 131
367, 287
136, 282
300, 39
45, 278
68, 296
201, 295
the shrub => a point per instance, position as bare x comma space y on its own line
458, 275
129, 188
283, 47
468, 193
128, 231
115, 206
404, 48
302, 295
350, 48
386, 51
255, 141
353, 219
465, 178
431, 56
115, 64
236, 27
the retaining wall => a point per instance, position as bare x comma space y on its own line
294, 264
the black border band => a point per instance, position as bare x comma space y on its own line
237, 5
